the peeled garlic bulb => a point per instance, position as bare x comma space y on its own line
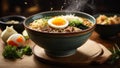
7, 33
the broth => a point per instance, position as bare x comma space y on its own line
61, 24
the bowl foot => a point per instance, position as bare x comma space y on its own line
84, 55
60, 53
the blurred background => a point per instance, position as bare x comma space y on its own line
30, 7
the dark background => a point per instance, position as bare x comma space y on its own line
30, 7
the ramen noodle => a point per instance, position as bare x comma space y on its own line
61, 24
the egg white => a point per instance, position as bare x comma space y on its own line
14, 38
60, 26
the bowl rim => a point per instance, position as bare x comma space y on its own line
81, 32
9, 16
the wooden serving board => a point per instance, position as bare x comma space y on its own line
84, 55
31, 62
72, 61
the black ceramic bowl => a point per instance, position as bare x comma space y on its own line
59, 44
18, 27
107, 31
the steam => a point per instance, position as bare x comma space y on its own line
87, 6
76, 5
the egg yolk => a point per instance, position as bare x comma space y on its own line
19, 39
58, 21
12, 43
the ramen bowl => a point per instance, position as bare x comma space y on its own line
12, 20
59, 44
107, 30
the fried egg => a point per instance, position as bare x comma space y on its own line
58, 22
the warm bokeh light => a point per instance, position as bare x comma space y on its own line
30, 7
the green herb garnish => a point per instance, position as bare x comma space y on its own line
115, 55
13, 52
27, 50
77, 23
74, 22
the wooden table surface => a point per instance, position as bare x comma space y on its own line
31, 62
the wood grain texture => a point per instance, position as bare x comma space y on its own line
84, 55
32, 61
